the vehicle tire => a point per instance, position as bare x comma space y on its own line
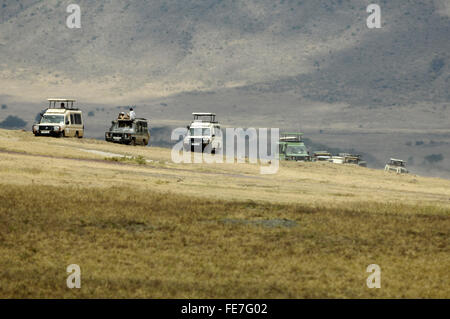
133, 142
144, 142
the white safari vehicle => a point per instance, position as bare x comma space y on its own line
346, 158
204, 134
322, 156
396, 165
60, 119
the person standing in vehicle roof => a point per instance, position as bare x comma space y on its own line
132, 114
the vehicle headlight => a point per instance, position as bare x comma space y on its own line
56, 128
35, 127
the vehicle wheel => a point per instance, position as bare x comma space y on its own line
144, 142
133, 142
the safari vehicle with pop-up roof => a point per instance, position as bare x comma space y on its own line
204, 133
347, 158
396, 165
321, 156
60, 119
128, 131
292, 147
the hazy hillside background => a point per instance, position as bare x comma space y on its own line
311, 65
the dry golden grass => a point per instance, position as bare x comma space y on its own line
210, 231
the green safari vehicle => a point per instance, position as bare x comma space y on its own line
292, 147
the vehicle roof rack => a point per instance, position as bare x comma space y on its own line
136, 119
58, 100
291, 133
197, 115
203, 114
61, 100
291, 137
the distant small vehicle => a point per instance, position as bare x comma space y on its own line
292, 147
396, 165
347, 158
127, 131
322, 156
204, 134
60, 119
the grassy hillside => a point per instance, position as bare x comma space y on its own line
157, 229
319, 51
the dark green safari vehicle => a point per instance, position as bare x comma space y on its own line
292, 147
131, 132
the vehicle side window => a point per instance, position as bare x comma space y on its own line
78, 119
72, 120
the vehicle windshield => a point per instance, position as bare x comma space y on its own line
296, 149
198, 131
54, 119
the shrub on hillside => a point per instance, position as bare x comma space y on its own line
12, 122
437, 64
434, 158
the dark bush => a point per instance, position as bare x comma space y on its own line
12, 122
434, 158
437, 64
